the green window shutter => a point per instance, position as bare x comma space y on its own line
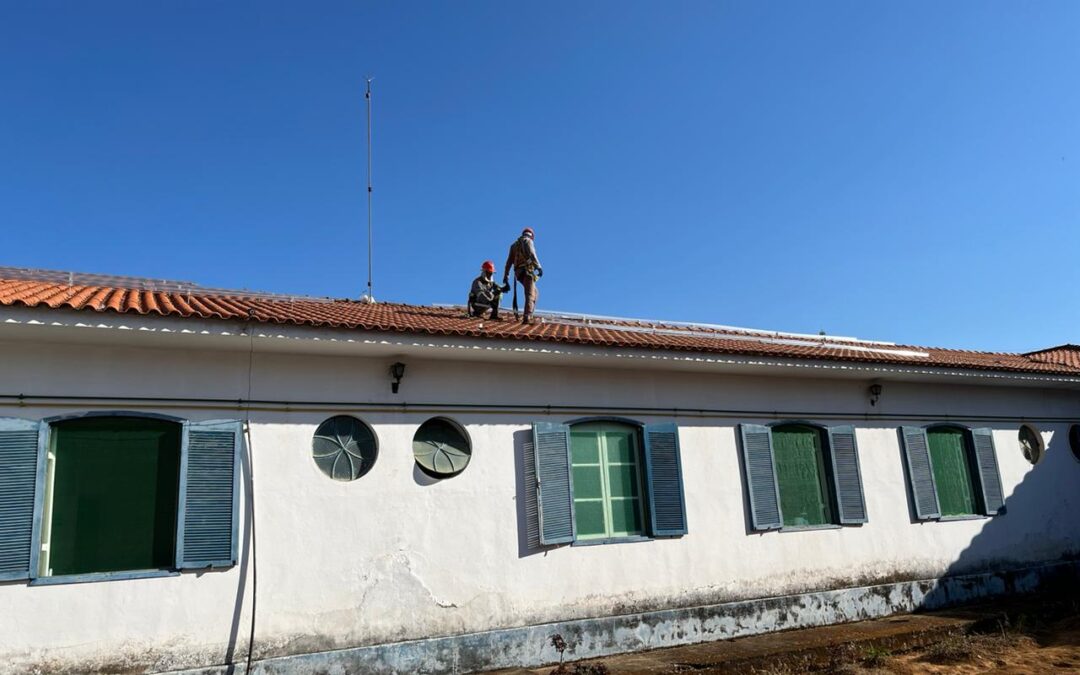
920, 473
206, 534
989, 477
664, 483
554, 486
761, 477
532, 505
847, 476
19, 469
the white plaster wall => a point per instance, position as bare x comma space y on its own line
394, 556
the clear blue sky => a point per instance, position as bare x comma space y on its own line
901, 171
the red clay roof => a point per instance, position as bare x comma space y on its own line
1063, 355
351, 314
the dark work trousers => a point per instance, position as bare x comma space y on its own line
480, 311
531, 293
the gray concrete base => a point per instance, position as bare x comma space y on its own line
531, 646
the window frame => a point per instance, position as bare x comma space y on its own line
207, 524
974, 479
828, 478
548, 471
45, 439
975, 472
843, 469
639, 467
457, 426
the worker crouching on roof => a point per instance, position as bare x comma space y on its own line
527, 270
484, 296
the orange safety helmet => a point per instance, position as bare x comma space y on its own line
529, 231
488, 266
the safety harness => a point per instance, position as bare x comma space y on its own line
522, 253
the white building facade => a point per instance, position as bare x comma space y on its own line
677, 517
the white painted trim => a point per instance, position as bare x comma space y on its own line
218, 334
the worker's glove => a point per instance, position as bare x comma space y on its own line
505, 287
539, 272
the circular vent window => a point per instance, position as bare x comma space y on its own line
441, 448
344, 448
1074, 440
1031, 444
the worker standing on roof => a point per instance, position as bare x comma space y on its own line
527, 270
484, 294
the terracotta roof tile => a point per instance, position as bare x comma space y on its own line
349, 314
1063, 355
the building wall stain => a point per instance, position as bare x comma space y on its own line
530, 646
329, 652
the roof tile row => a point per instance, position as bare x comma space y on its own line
348, 314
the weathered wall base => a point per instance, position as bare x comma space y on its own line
530, 645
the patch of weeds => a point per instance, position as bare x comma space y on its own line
875, 657
589, 669
581, 669
966, 647
559, 644
953, 648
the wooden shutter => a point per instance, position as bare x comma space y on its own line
206, 533
532, 506
554, 483
664, 483
761, 477
993, 497
19, 468
920, 472
847, 476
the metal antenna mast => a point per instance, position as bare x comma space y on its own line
369, 296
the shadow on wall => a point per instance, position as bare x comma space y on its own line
1040, 523
246, 539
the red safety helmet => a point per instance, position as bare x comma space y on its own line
488, 266
529, 231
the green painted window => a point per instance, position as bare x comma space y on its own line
952, 471
605, 460
801, 475
111, 496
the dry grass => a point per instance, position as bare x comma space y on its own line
954, 653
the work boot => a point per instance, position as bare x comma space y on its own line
526, 320
495, 316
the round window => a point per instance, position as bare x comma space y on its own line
1074, 440
344, 448
441, 448
1031, 444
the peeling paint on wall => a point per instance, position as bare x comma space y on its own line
530, 646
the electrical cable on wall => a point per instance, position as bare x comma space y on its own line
251, 491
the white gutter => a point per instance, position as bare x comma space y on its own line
66, 325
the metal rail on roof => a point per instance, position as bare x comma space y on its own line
718, 332
143, 284
596, 319
810, 341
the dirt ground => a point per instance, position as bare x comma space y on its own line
1036, 635
1054, 647
1050, 648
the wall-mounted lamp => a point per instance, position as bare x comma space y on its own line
875, 393
397, 371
